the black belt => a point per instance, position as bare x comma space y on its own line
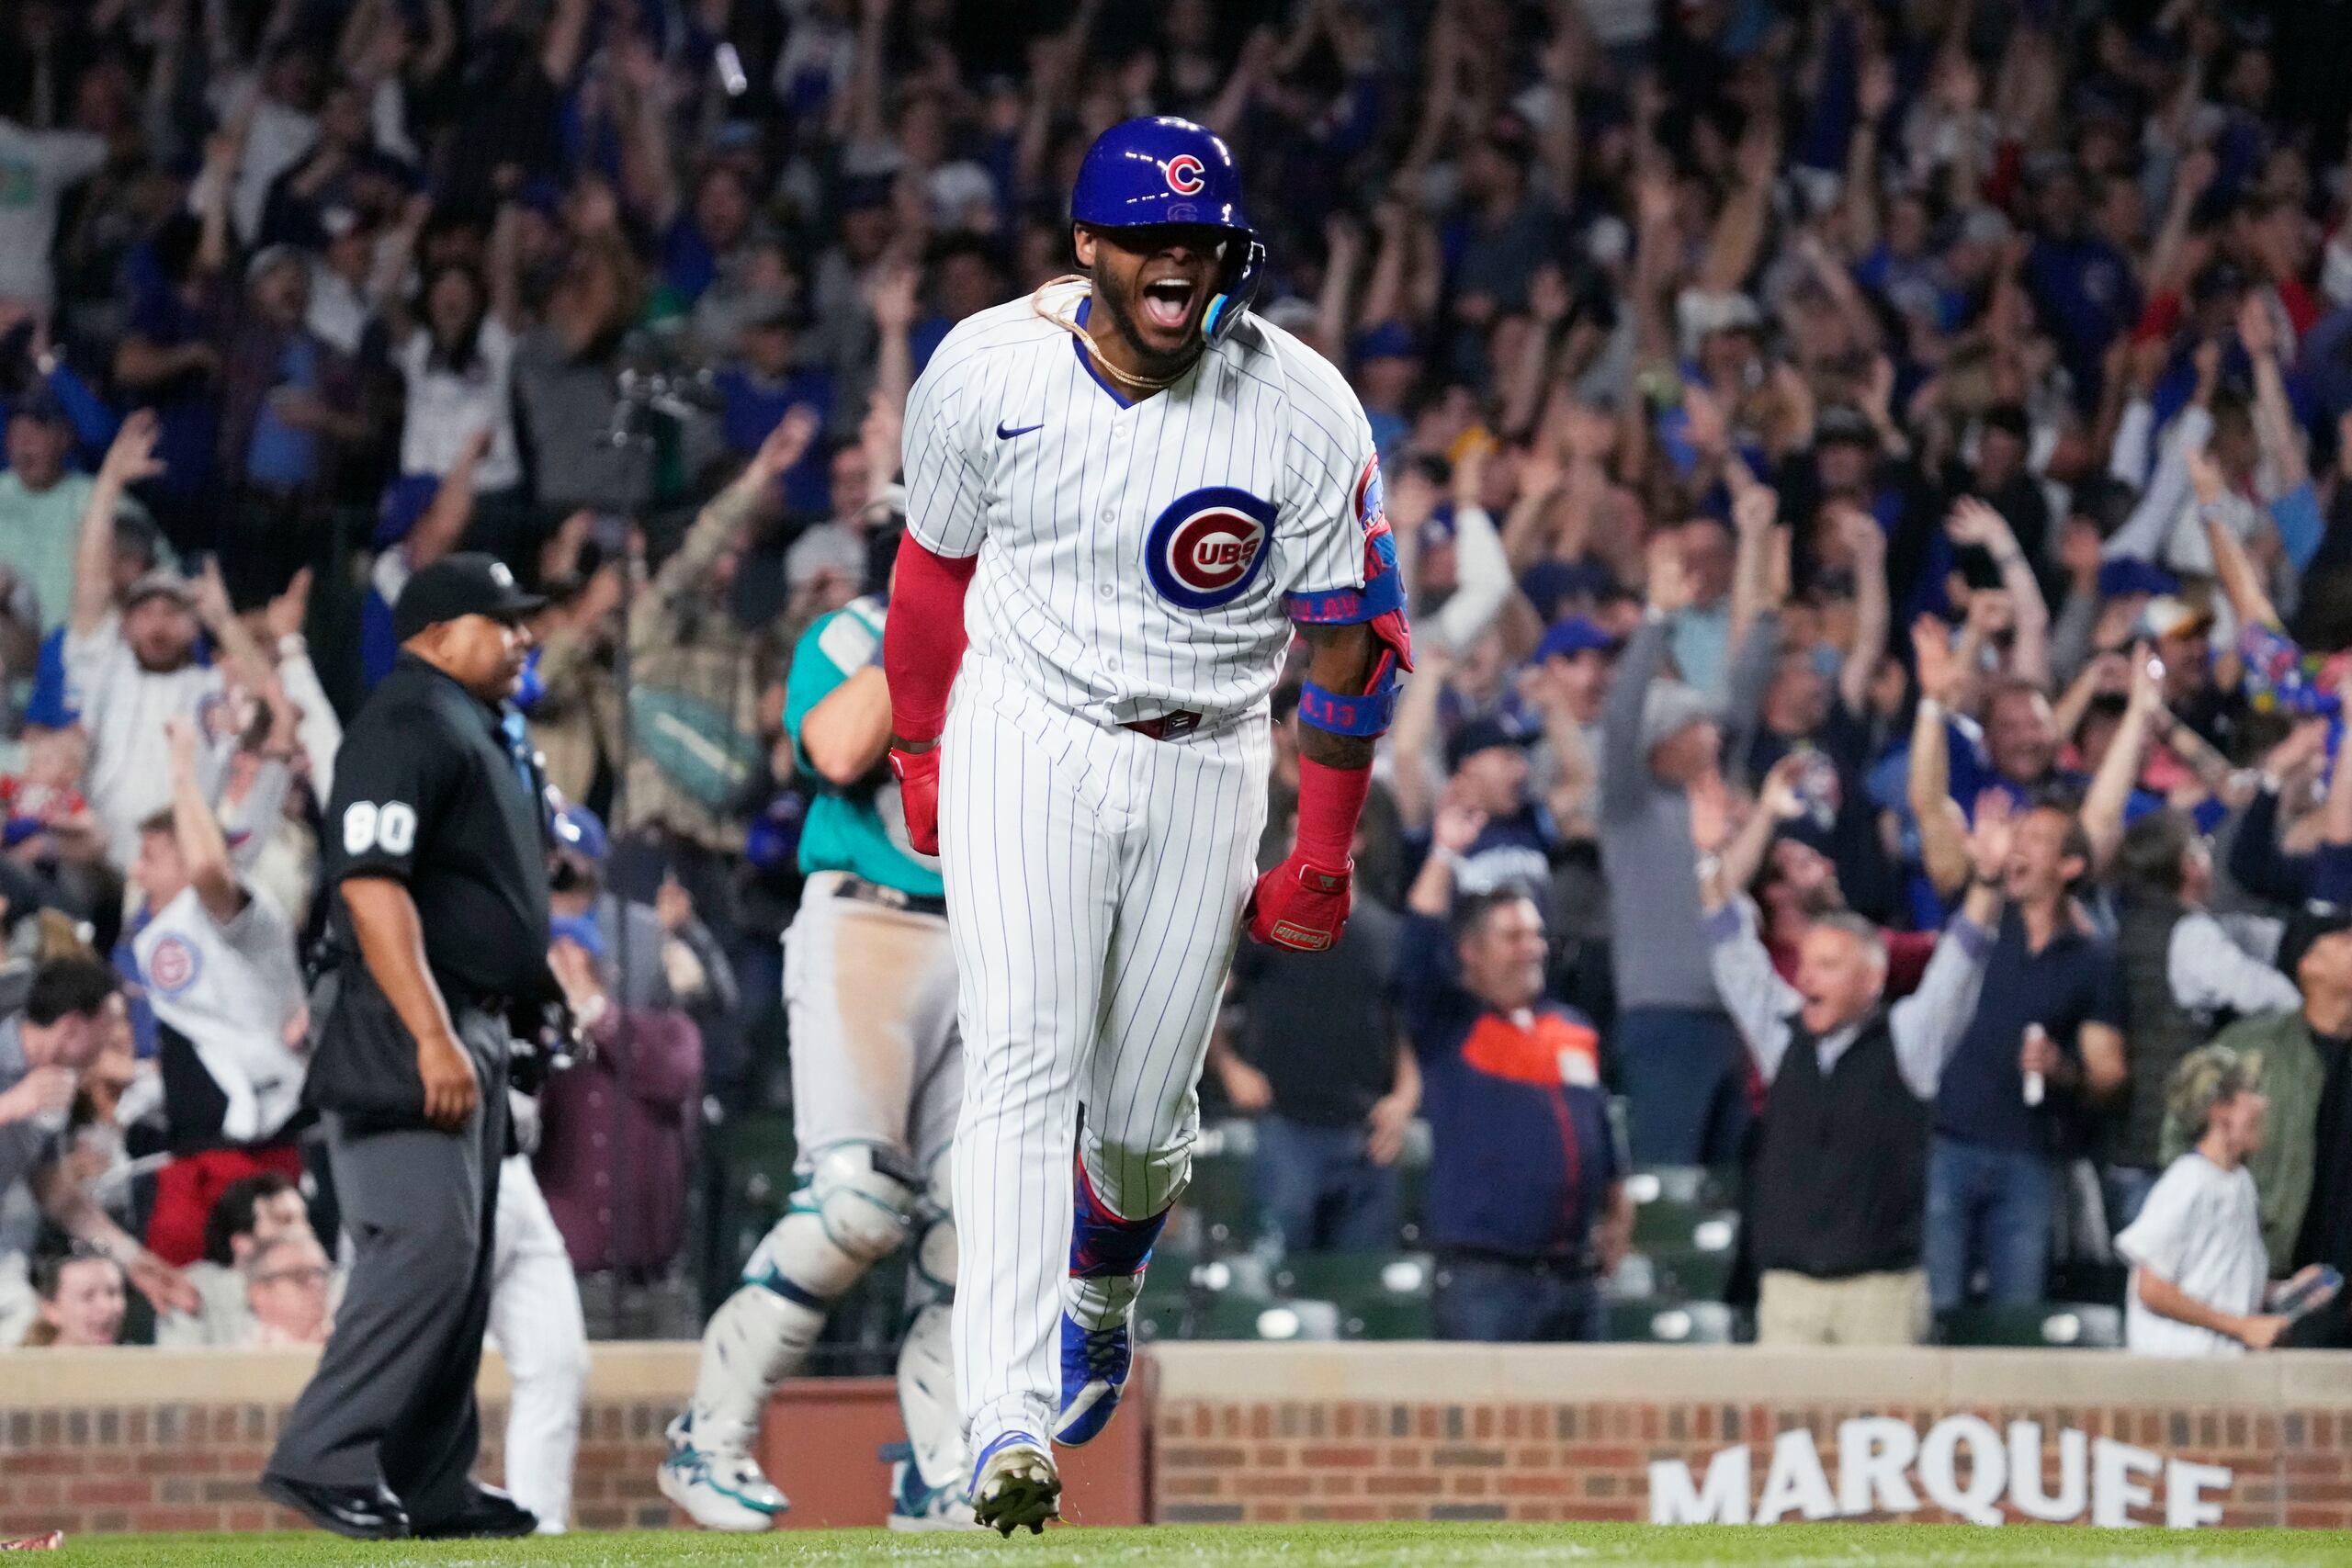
881, 898
1167, 727
458, 996
1571, 1266
464, 996
489, 1002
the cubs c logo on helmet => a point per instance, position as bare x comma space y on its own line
1186, 174
1206, 547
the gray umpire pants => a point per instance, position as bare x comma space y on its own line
393, 1397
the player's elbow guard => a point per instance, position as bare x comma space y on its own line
1378, 607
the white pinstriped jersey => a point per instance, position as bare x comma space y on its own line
1134, 558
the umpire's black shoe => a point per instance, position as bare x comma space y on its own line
363, 1513
487, 1513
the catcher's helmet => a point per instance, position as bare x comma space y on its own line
1165, 170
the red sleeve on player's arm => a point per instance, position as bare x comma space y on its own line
922, 640
1330, 803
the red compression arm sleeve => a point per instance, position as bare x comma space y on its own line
1329, 802
922, 640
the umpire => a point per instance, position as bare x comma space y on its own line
436, 841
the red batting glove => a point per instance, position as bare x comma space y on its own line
1299, 906
918, 776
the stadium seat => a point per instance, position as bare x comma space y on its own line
2085, 1279
1159, 1316
2072, 1326
1222, 1194
1172, 1286
1682, 1207
1684, 1323
1388, 1317
1164, 1306
1243, 1276
1635, 1278
753, 1158
1170, 1269
861, 1333
758, 1152
1379, 1295
1692, 1186
1690, 1273
1234, 1138
1332, 1275
768, 1042
1236, 1316
1413, 1185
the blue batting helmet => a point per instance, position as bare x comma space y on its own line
1166, 170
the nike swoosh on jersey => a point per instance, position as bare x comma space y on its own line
1004, 434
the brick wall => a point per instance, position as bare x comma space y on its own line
107, 1442
820, 1440
1267, 1434
111, 1469
112, 1441
122, 1440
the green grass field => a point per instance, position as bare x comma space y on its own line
1279, 1545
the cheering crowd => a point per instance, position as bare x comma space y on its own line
1869, 481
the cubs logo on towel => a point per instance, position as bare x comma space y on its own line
1207, 548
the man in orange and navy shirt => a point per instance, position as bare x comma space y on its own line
1528, 1209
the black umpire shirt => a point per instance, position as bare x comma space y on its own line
429, 794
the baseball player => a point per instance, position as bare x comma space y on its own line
869, 985
1128, 493
536, 1322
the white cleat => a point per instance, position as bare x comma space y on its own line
1014, 1484
719, 1492
916, 1506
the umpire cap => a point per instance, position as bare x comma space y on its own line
466, 583
1160, 169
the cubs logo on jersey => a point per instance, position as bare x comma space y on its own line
174, 965
1370, 495
1371, 508
1380, 602
1206, 547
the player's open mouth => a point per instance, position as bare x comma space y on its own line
1167, 303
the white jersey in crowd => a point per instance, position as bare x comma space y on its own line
2201, 1229
229, 989
1134, 557
446, 407
123, 707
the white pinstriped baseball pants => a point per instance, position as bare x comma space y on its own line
1095, 880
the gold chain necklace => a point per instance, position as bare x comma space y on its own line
1093, 350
